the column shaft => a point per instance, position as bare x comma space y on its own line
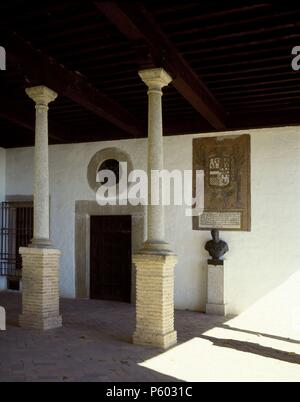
42, 96
41, 176
156, 230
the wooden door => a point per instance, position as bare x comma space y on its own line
110, 258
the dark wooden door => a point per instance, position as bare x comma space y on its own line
111, 258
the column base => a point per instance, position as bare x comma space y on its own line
155, 299
40, 293
156, 247
158, 340
40, 243
216, 309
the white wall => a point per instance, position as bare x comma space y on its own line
258, 261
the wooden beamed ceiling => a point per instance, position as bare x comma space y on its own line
133, 20
231, 64
41, 69
17, 114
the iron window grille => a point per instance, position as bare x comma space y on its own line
16, 230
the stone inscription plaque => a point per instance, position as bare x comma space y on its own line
226, 165
224, 220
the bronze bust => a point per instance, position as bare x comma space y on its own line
216, 247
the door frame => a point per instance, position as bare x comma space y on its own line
83, 211
92, 266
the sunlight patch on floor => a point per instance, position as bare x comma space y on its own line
261, 344
226, 355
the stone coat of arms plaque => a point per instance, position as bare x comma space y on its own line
226, 165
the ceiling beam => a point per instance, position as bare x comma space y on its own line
134, 21
16, 113
41, 69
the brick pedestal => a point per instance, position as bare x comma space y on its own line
155, 300
40, 274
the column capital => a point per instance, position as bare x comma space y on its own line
41, 95
155, 78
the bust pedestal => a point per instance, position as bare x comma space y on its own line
216, 288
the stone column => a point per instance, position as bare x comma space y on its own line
155, 262
216, 288
40, 262
155, 80
42, 96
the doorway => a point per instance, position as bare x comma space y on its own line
110, 258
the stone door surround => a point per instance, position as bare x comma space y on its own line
83, 211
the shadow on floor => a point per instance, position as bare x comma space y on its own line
246, 331
254, 348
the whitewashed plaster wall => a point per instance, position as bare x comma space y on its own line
259, 261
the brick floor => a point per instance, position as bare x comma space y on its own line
95, 345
